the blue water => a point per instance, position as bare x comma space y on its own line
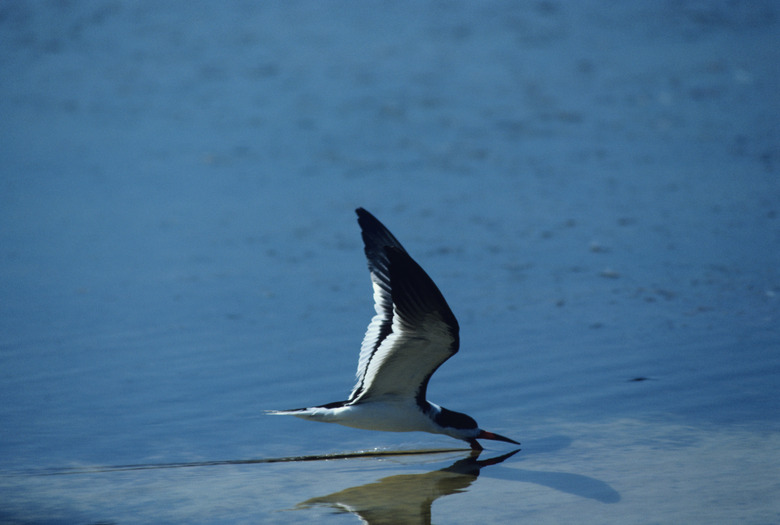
594, 188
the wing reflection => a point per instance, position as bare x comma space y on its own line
406, 498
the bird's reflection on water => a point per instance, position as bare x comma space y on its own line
406, 498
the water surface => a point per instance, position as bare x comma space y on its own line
593, 187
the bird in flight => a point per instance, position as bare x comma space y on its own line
412, 334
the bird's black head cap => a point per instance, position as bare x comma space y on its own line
452, 419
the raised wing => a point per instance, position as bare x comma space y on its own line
413, 331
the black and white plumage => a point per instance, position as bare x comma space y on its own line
412, 334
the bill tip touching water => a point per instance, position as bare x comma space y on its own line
412, 334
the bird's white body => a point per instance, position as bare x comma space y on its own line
390, 414
412, 334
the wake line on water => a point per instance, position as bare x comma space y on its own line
96, 469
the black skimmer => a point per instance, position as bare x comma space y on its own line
412, 334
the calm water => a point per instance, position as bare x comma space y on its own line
594, 188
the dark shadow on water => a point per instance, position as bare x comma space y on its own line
576, 484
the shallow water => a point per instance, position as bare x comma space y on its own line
594, 189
